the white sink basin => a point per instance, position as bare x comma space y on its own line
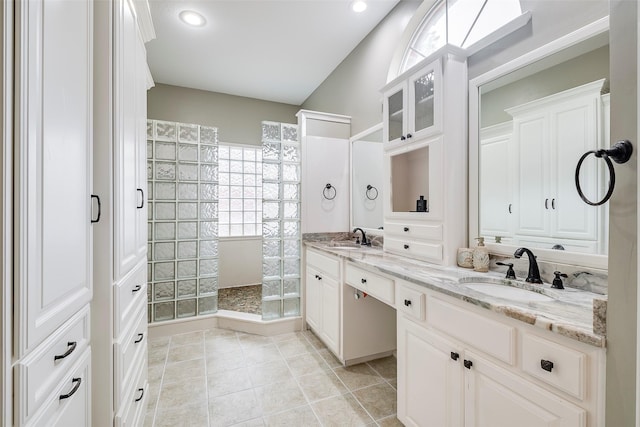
508, 292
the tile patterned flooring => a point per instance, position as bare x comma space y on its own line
220, 378
246, 299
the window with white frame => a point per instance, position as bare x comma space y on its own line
240, 190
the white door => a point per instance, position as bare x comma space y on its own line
53, 243
330, 295
141, 146
312, 299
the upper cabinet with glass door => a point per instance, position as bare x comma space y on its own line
413, 105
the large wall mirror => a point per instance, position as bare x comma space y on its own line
367, 180
531, 121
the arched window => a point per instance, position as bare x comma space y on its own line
462, 23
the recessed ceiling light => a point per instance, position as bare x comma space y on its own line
192, 18
358, 6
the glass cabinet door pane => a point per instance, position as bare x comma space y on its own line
396, 114
424, 101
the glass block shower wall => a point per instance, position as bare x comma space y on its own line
182, 174
281, 237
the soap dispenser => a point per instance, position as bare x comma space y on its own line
481, 257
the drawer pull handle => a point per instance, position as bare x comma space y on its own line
93, 221
454, 355
547, 365
407, 302
72, 346
363, 281
468, 364
136, 288
77, 382
141, 205
318, 277
141, 390
140, 338
406, 229
406, 246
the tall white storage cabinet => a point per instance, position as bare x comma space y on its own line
119, 317
53, 216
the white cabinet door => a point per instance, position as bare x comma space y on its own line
313, 303
141, 145
425, 102
497, 398
394, 112
429, 378
54, 159
330, 313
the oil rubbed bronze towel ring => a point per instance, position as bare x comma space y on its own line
372, 192
620, 153
329, 192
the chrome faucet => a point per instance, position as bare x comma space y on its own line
534, 273
364, 242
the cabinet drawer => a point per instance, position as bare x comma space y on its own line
70, 402
565, 367
130, 293
133, 407
414, 231
129, 349
324, 263
375, 285
412, 248
41, 371
494, 338
411, 301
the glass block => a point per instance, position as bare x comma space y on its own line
164, 250
290, 172
208, 154
291, 287
165, 150
187, 133
208, 285
164, 271
187, 172
208, 267
291, 267
250, 180
163, 311
187, 250
187, 230
270, 288
250, 229
236, 191
271, 309
208, 192
208, 248
291, 191
208, 210
187, 288
186, 269
249, 217
270, 210
149, 292
208, 173
149, 231
271, 248
149, 149
187, 211
186, 308
223, 191
149, 190
149, 252
289, 133
188, 191
163, 291
291, 228
290, 153
149, 211
291, 248
149, 170
165, 210
291, 210
223, 178
250, 154
165, 131
249, 204
271, 151
236, 179
236, 153
223, 151
271, 229
235, 166
235, 229
270, 131
149, 313
150, 129
271, 191
235, 218
208, 135
207, 305
165, 230
188, 153
291, 307
270, 172
166, 171
165, 191
271, 267
208, 229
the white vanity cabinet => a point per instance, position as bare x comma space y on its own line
424, 127
462, 366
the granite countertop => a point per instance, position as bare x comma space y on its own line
573, 313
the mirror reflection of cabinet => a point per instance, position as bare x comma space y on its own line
367, 157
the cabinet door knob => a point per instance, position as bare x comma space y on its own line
406, 229
409, 135
407, 302
547, 365
136, 288
71, 346
402, 138
406, 246
318, 277
454, 355
468, 363
76, 382
140, 338
141, 390
363, 281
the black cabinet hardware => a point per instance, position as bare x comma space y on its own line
468, 363
406, 229
72, 346
77, 382
141, 205
409, 135
136, 288
553, 203
141, 390
363, 281
454, 355
546, 203
407, 302
402, 138
406, 246
547, 365
140, 338
93, 221
509, 207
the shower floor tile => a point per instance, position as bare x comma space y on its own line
245, 299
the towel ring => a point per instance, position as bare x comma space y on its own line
370, 189
620, 153
326, 192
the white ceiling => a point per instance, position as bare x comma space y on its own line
276, 50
